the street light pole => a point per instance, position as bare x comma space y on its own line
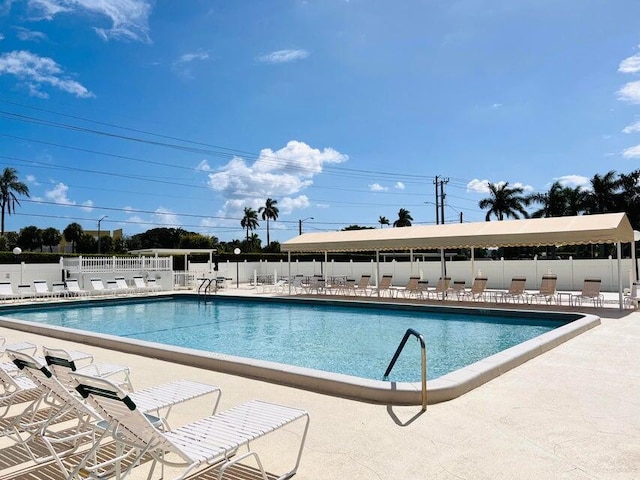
237, 252
100, 220
300, 224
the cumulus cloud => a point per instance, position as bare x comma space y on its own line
633, 128
183, 65
631, 152
284, 56
34, 72
630, 92
478, 186
376, 187
203, 166
32, 180
26, 35
630, 64
129, 18
482, 186
87, 206
58, 194
166, 217
572, 181
400, 186
280, 174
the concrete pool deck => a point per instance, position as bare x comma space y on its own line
570, 413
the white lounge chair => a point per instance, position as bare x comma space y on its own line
210, 440
62, 362
153, 285
145, 287
632, 299
73, 287
25, 291
6, 292
41, 288
123, 286
97, 287
63, 403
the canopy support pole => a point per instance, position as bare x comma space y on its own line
289, 261
378, 272
619, 253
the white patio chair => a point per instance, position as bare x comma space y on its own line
124, 287
98, 287
73, 287
62, 362
63, 403
41, 288
6, 292
210, 440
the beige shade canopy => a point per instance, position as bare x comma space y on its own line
578, 230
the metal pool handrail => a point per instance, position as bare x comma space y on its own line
423, 348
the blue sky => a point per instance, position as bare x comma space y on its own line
182, 113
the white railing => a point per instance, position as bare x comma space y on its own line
117, 264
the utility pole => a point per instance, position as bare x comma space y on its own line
436, 203
442, 197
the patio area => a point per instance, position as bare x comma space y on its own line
571, 413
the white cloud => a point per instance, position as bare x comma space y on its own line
25, 35
281, 175
630, 64
496, 105
400, 185
478, 186
284, 56
376, 187
287, 205
526, 188
631, 152
59, 195
630, 92
129, 18
203, 166
34, 72
32, 180
482, 186
1, 36
633, 128
87, 206
182, 66
166, 217
572, 181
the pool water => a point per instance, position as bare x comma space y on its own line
357, 341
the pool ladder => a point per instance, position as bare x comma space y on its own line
205, 287
423, 348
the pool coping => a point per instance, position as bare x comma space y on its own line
444, 388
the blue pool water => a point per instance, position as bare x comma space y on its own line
354, 341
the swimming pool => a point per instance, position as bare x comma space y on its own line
358, 340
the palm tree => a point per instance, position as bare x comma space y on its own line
404, 218
383, 221
604, 196
630, 196
73, 233
554, 202
269, 212
51, 237
504, 202
250, 220
10, 187
576, 200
